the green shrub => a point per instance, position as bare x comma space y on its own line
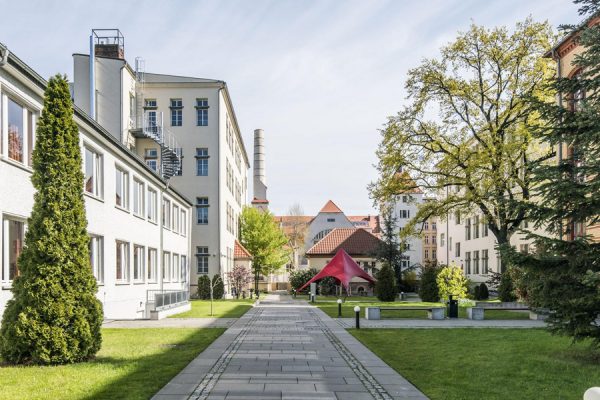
484, 293
452, 282
428, 291
506, 290
299, 277
328, 286
385, 286
218, 287
54, 316
203, 287
476, 292
409, 281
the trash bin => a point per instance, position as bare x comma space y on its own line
452, 308
402, 296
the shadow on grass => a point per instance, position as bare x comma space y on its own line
148, 374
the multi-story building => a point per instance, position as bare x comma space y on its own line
139, 251
564, 53
429, 239
184, 128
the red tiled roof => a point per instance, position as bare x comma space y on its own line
240, 252
260, 201
355, 241
406, 181
330, 207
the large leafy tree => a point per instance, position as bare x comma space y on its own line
262, 237
463, 135
54, 316
564, 273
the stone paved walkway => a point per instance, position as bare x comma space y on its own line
285, 349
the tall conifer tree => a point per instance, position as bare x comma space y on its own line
564, 274
54, 316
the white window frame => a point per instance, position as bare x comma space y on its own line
166, 266
204, 256
124, 261
123, 187
183, 268
152, 265
6, 246
166, 213
151, 204
139, 198
141, 259
97, 257
97, 189
175, 268
175, 218
183, 223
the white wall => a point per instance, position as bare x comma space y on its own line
409, 203
120, 299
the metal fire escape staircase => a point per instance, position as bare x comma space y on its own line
150, 126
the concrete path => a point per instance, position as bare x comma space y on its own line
171, 323
285, 349
444, 324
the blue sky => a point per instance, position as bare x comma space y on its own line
320, 77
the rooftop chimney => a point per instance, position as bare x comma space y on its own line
260, 178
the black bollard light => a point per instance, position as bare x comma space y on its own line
339, 301
357, 312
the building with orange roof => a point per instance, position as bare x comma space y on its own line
359, 243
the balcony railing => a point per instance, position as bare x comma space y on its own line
161, 299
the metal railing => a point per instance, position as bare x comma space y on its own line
171, 151
166, 298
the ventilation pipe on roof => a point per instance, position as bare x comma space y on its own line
92, 78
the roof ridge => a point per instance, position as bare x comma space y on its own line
330, 207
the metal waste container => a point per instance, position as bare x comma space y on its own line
452, 307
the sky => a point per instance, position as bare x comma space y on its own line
320, 77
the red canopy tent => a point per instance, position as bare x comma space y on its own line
343, 268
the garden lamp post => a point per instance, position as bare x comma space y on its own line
357, 313
339, 302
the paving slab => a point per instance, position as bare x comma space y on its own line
287, 349
170, 323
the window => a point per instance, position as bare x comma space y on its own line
450, 243
183, 268
202, 210
176, 112
442, 239
524, 248
202, 112
433, 239
151, 158
93, 172
468, 229
405, 199
122, 261
202, 162
16, 133
96, 257
426, 239
525, 224
122, 189
457, 250
14, 236
175, 269
434, 254
202, 260
404, 214
484, 262
426, 225
434, 226
476, 227
426, 254
468, 263
138, 263
183, 222
151, 207
330, 219
151, 265
476, 262
166, 270
484, 228
153, 164
138, 198
176, 218
166, 213
457, 217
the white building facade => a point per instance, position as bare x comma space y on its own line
404, 209
185, 128
139, 251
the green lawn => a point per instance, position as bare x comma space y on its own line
464, 364
330, 307
133, 364
221, 309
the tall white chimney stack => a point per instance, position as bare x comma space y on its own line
260, 177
